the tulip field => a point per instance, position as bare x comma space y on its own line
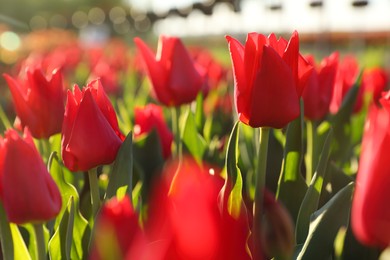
160, 149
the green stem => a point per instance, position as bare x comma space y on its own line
46, 148
311, 153
177, 154
4, 119
7, 245
40, 239
175, 111
259, 191
94, 189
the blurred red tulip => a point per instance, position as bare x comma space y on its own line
267, 79
319, 87
347, 73
216, 73
151, 117
108, 77
375, 81
116, 228
370, 214
172, 71
186, 222
28, 192
39, 102
90, 132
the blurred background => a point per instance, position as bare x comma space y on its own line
324, 25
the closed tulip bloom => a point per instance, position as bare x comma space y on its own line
172, 72
370, 213
28, 192
186, 222
375, 81
90, 132
39, 102
151, 117
319, 87
116, 228
346, 76
266, 78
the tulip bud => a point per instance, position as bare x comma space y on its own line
90, 132
278, 229
172, 72
39, 102
28, 192
150, 117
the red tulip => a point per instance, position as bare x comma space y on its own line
375, 81
267, 79
151, 117
108, 76
27, 191
116, 228
172, 72
216, 73
90, 132
319, 87
370, 213
186, 223
346, 77
39, 102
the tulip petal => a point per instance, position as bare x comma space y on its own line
22, 109
370, 218
241, 88
185, 82
69, 115
32, 203
291, 56
157, 73
274, 98
105, 106
92, 141
252, 57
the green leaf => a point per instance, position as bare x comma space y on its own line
325, 224
124, 116
312, 197
338, 178
341, 123
60, 244
292, 187
4, 119
122, 172
148, 160
20, 248
233, 177
199, 115
7, 246
193, 141
81, 229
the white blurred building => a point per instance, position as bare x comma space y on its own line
279, 16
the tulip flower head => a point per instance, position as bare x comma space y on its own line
39, 102
370, 214
172, 72
266, 79
319, 87
375, 81
346, 76
151, 117
90, 131
116, 229
27, 191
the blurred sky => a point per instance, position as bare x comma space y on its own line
333, 16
